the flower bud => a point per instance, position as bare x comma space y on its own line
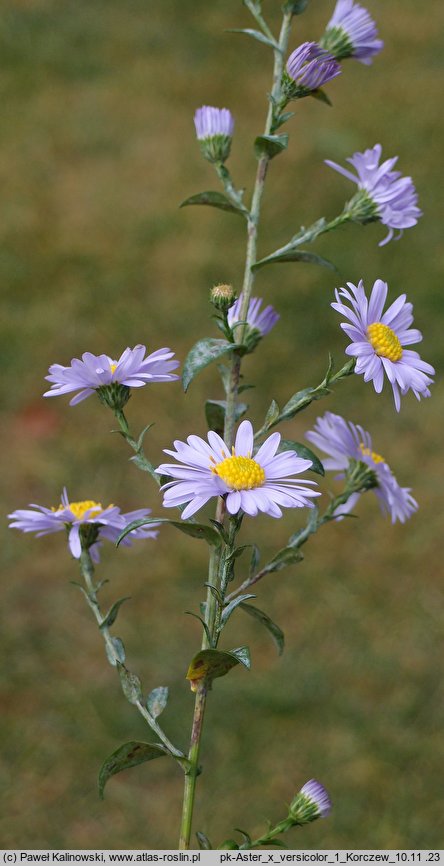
214, 130
222, 297
308, 68
310, 803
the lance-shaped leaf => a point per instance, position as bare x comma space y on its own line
286, 556
255, 34
116, 653
214, 199
272, 415
303, 452
204, 352
131, 685
294, 255
232, 605
271, 145
157, 701
129, 755
276, 633
209, 664
112, 613
196, 530
204, 842
215, 414
302, 399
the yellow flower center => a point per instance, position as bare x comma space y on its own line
113, 367
384, 341
240, 473
79, 509
367, 452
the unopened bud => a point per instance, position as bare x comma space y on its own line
310, 803
222, 297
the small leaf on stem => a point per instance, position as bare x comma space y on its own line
204, 352
157, 701
111, 616
275, 631
213, 199
129, 755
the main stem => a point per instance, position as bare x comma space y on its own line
214, 576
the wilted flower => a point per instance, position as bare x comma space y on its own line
111, 379
308, 68
344, 442
259, 322
383, 194
351, 32
253, 484
214, 130
310, 803
378, 340
87, 523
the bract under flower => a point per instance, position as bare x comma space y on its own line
378, 340
249, 483
79, 518
384, 194
344, 441
96, 372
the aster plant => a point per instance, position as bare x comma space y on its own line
241, 472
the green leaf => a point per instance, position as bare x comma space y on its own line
113, 611
286, 556
294, 255
246, 836
276, 633
196, 530
281, 119
129, 755
131, 685
204, 842
321, 96
302, 399
272, 415
215, 414
142, 435
157, 701
255, 34
242, 653
203, 623
304, 452
272, 145
214, 199
254, 561
209, 664
296, 6
119, 650
228, 610
204, 352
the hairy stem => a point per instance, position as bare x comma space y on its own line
217, 575
87, 570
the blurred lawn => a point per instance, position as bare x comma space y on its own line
96, 151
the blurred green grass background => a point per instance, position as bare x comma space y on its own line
97, 150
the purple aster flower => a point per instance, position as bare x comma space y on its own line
253, 484
378, 340
87, 523
310, 803
259, 322
383, 195
109, 378
344, 441
351, 32
309, 67
214, 130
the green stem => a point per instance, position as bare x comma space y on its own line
216, 575
87, 571
142, 459
193, 772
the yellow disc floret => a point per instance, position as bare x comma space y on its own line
367, 452
240, 473
384, 341
79, 509
113, 367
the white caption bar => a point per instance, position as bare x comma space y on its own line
211, 858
